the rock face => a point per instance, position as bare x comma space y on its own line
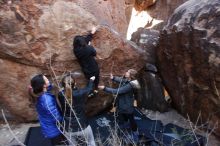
107, 12
141, 5
14, 98
36, 37
151, 95
147, 39
129, 4
163, 9
151, 14
189, 59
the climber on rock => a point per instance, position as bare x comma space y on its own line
86, 54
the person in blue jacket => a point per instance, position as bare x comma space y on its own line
72, 100
124, 101
86, 55
47, 109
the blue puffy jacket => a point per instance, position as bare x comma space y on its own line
48, 113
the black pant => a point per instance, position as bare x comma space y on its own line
96, 81
59, 140
125, 117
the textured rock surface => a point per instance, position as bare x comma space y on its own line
129, 4
189, 55
163, 9
154, 16
147, 39
109, 12
151, 95
150, 92
14, 81
141, 5
36, 37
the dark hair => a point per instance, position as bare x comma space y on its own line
37, 83
79, 41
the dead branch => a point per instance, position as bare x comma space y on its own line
7, 124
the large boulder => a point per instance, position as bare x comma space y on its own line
107, 12
141, 5
189, 60
151, 95
129, 4
163, 9
36, 37
151, 14
14, 81
147, 39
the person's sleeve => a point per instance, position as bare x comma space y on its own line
88, 37
52, 107
87, 89
120, 90
117, 79
92, 51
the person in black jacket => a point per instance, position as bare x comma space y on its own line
86, 54
72, 101
125, 98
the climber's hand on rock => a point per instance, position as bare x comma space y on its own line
111, 76
93, 30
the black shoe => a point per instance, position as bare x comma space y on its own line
95, 91
91, 95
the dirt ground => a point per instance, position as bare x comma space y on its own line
20, 130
